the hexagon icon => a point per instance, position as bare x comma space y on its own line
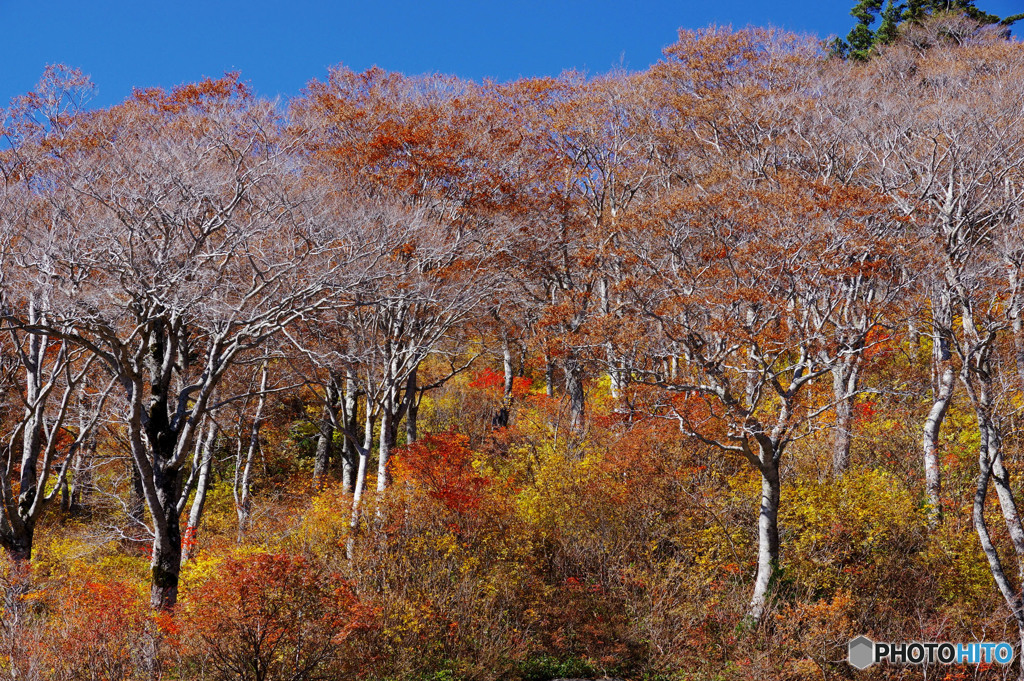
861, 652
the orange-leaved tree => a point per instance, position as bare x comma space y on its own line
265, 617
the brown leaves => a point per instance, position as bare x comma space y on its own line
204, 95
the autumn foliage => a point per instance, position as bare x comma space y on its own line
267, 616
442, 467
688, 373
106, 635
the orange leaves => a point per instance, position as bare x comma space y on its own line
202, 95
414, 140
272, 612
97, 629
521, 387
878, 344
442, 466
692, 406
405, 251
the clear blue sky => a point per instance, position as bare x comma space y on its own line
279, 46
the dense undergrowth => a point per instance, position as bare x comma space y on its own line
527, 552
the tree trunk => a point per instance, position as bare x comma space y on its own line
574, 388
844, 386
506, 355
161, 441
616, 373
978, 380
322, 460
325, 440
364, 458
943, 382
615, 376
349, 452
20, 529
24, 499
384, 452
549, 376
136, 496
243, 499
615, 382
166, 561
81, 465
1017, 322
81, 475
357, 495
411, 420
986, 470
943, 393
195, 514
767, 536
411, 407
19, 543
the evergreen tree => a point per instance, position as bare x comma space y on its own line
863, 39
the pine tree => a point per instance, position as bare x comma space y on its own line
862, 39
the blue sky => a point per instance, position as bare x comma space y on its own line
279, 46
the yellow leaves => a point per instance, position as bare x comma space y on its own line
199, 570
413, 619
839, 531
325, 523
65, 553
960, 567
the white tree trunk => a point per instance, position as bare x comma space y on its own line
202, 486
767, 538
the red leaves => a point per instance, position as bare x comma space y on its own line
442, 466
189, 541
493, 382
521, 387
865, 411
487, 379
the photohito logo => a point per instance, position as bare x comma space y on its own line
863, 652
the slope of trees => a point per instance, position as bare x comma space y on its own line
694, 372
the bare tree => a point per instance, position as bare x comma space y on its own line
179, 247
